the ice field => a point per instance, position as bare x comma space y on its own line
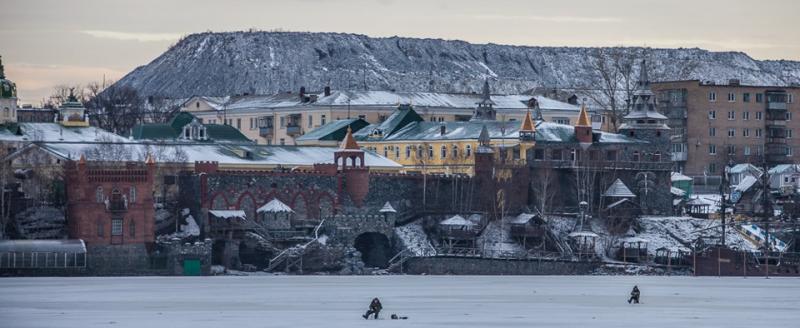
428, 301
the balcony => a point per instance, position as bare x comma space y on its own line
776, 106
293, 130
116, 206
679, 156
266, 131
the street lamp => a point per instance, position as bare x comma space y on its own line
583, 206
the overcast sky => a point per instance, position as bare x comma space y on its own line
49, 42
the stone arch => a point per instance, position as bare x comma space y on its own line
326, 205
219, 202
300, 207
247, 203
375, 249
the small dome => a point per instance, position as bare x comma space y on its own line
7, 89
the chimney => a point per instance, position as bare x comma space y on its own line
302, 93
327, 91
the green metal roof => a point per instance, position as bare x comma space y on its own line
219, 132
172, 131
335, 130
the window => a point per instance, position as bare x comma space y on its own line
538, 154
468, 151
397, 152
788, 116
443, 152
759, 97
239, 123
712, 96
132, 195
430, 151
657, 156
712, 149
731, 150
712, 115
788, 133
419, 151
712, 167
561, 120
745, 116
746, 132
758, 116
747, 150
363, 117
455, 151
252, 123
322, 119
101, 228
283, 141
635, 156
385, 151
746, 97
197, 105
611, 155
116, 227
789, 151
731, 115
731, 96
731, 133
98, 195
408, 151
132, 229
759, 150
759, 132
283, 121
555, 154
712, 132
310, 121
789, 98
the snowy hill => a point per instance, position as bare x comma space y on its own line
219, 64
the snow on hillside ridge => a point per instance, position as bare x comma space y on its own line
221, 64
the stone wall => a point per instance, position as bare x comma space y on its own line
109, 260
477, 266
344, 229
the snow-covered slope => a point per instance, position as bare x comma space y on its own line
220, 64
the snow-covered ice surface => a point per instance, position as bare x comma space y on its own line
428, 301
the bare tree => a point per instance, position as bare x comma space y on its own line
117, 109
613, 81
544, 185
160, 109
61, 93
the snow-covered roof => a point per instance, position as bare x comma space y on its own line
47, 132
618, 189
387, 208
224, 154
523, 218
441, 100
274, 206
633, 239
699, 201
784, 168
228, 214
457, 220
746, 183
44, 246
583, 234
744, 167
677, 176
677, 191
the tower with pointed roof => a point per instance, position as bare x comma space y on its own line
484, 155
527, 136
485, 110
643, 120
583, 128
349, 150
8, 97
72, 112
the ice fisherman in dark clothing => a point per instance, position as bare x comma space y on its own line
634, 295
374, 308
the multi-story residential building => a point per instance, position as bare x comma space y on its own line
279, 119
715, 124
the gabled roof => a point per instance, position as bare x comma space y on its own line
457, 220
387, 208
334, 131
746, 183
677, 176
275, 206
523, 218
228, 214
784, 168
618, 189
745, 167
173, 130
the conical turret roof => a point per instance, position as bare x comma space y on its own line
583, 117
527, 124
349, 143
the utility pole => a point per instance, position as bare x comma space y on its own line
766, 208
723, 201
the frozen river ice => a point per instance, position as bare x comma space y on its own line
428, 301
